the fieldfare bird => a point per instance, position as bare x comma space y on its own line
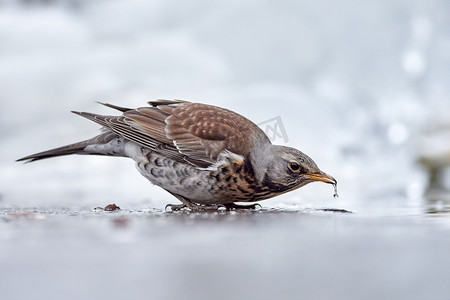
206, 156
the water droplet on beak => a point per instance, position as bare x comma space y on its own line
335, 195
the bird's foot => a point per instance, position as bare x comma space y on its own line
175, 207
194, 207
231, 206
188, 204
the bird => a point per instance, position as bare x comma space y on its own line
206, 156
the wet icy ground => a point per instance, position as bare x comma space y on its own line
362, 87
265, 254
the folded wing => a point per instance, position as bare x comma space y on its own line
187, 132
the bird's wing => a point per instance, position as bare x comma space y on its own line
199, 131
184, 131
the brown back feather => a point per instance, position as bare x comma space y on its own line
185, 131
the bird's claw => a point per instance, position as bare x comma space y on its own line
175, 207
194, 207
231, 206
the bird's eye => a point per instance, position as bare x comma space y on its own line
294, 166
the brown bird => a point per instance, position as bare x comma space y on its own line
206, 156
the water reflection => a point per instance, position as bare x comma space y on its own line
437, 195
437, 201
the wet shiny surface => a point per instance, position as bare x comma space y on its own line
263, 254
360, 87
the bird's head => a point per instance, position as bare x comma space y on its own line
289, 169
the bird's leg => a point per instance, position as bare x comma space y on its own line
175, 207
186, 203
231, 206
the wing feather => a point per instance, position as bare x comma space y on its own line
184, 131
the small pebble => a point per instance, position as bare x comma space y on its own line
111, 207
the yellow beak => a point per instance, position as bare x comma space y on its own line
324, 177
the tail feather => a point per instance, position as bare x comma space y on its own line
76, 148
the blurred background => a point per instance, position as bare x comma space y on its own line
362, 87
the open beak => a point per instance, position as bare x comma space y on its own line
324, 177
